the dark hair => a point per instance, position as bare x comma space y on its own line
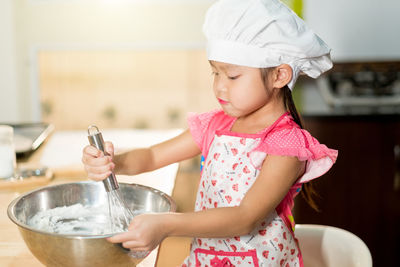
308, 190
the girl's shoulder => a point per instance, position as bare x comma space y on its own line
203, 126
287, 138
212, 120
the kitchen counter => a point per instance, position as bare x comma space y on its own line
62, 154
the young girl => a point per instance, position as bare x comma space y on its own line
255, 155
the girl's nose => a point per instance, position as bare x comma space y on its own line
220, 86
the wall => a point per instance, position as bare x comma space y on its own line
8, 83
357, 30
96, 24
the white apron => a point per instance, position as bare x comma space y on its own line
226, 177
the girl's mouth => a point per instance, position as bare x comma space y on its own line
222, 102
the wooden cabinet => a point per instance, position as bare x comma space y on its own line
361, 193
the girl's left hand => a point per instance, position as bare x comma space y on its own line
145, 233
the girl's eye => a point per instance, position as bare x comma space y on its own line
233, 77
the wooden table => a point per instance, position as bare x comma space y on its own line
13, 251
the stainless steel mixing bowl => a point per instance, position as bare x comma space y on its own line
79, 250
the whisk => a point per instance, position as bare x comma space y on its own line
120, 216
119, 213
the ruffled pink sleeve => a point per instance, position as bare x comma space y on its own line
296, 142
204, 125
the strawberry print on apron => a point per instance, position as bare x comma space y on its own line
226, 177
230, 165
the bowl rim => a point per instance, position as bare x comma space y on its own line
12, 204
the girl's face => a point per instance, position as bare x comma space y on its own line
239, 90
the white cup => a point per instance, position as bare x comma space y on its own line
7, 152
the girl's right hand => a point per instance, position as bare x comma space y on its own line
97, 165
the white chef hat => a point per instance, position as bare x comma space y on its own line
263, 34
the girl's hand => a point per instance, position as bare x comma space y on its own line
145, 233
97, 165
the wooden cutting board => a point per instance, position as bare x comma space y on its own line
32, 181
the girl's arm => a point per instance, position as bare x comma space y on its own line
277, 175
98, 166
147, 159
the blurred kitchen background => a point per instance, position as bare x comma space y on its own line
142, 64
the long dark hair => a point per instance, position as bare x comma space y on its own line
308, 190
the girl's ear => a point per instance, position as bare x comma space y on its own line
282, 75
